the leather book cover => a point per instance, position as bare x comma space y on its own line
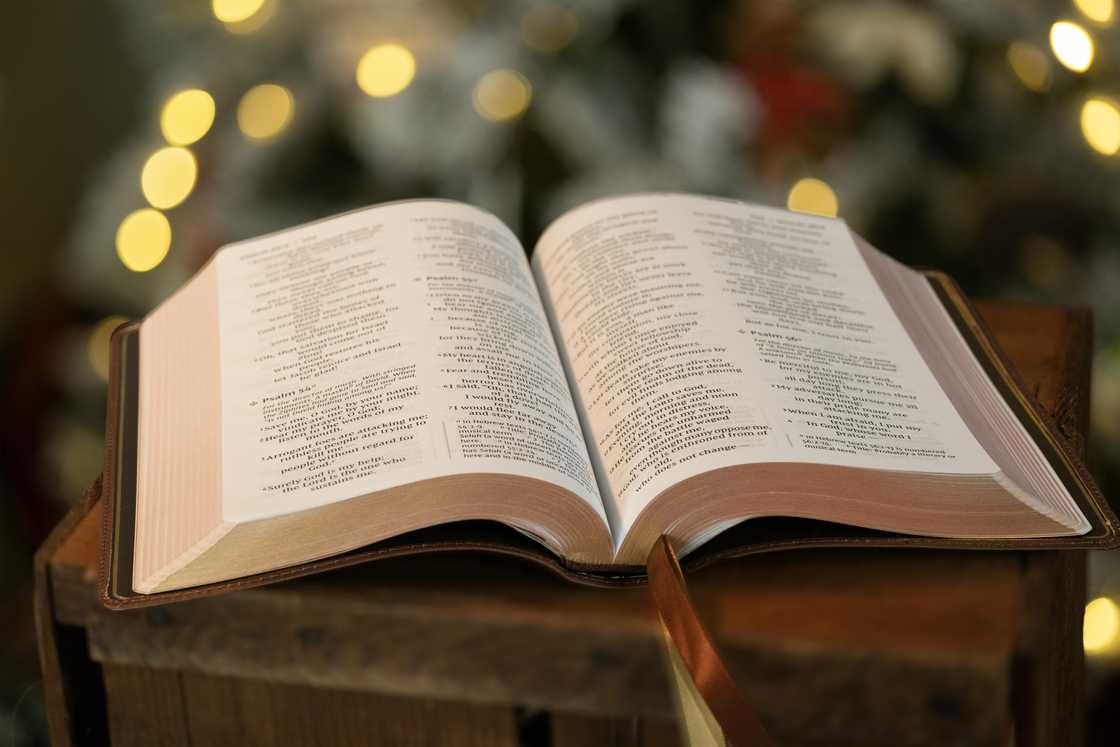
753, 536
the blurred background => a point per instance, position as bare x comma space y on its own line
137, 137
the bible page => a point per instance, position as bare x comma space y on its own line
703, 333
382, 347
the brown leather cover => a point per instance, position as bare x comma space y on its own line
754, 536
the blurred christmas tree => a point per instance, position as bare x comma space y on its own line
979, 138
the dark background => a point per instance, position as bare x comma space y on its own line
949, 132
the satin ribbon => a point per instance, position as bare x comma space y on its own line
689, 639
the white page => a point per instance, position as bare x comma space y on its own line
382, 347
705, 333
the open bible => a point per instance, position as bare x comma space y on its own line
665, 364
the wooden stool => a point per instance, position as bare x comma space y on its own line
848, 647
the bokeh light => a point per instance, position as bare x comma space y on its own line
1100, 124
143, 239
548, 27
187, 116
236, 11
168, 177
255, 21
1072, 45
385, 70
1102, 625
1030, 65
1096, 10
810, 195
97, 348
501, 95
265, 111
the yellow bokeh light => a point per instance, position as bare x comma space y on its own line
1100, 124
1096, 10
1072, 45
502, 95
187, 116
255, 21
810, 195
143, 239
386, 70
264, 111
1030, 65
1102, 625
168, 177
98, 346
548, 27
235, 11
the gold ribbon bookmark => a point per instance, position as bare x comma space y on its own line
714, 709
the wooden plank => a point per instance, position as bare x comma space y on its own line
73, 570
869, 600
236, 712
577, 730
62, 675
807, 648
511, 642
1054, 355
1051, 347
145, 707
79, 547
923, 644
876, 700
1049, 677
